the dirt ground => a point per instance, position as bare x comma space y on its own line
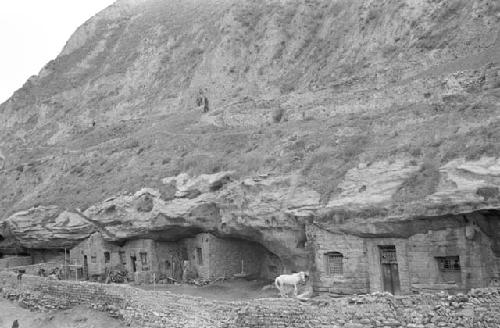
79, 317
232, 290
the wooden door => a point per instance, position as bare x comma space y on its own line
390, 272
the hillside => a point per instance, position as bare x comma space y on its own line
337, 110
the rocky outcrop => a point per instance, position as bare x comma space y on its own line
189, 187
457, 186
272, 211
45, 227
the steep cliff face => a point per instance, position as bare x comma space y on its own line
345, 112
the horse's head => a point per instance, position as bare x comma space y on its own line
304, 276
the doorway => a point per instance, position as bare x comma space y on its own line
389, 266
168, 269
85, 267
133, 258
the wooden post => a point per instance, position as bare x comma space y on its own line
64, 265
154, 281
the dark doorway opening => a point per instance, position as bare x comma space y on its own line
133, 258
389, 266
85, 267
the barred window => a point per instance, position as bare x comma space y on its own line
107, 257
448, 263
334, 263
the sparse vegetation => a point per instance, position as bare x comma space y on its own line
135, 87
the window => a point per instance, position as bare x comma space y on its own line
199, 254
448, 263
93, 259
334, 263
107, 257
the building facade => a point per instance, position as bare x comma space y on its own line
455, 257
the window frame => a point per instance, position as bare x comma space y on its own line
335, 261
449, 263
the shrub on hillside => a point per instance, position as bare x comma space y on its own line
278, 114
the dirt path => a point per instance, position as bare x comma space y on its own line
79, 317
236, 290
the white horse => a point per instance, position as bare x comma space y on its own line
290, 279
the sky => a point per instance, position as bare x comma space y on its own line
33, 32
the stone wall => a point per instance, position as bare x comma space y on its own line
227, 255
139, 308
425, 248
354, 279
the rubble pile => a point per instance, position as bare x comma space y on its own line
478, 308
